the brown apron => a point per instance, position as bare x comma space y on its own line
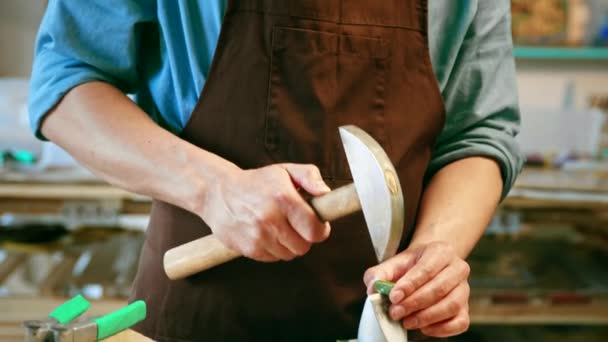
285, 75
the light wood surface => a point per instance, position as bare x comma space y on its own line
128, 336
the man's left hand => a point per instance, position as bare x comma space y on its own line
431, 291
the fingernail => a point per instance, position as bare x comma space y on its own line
397, 312
396, 296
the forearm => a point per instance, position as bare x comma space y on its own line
116, 140
459, 203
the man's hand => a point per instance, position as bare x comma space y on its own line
431, 291
261, 214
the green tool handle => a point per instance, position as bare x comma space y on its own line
120, 320
70, 310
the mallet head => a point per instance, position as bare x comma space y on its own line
378, 188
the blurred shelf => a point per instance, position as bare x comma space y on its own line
50, 198
561, 53
536, 188
595, 313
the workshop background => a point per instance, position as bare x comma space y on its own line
539, 274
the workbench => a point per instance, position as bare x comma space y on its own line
540, 195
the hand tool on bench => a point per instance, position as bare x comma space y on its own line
375, 190
40, 330
91, 330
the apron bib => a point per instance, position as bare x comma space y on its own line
285, 76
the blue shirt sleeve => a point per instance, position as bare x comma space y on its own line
83, 41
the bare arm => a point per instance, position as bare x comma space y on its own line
105, 131
458, 204
256, 212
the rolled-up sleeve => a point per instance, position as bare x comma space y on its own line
82, 41
482, 112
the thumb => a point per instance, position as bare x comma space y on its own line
389, 270
308, 177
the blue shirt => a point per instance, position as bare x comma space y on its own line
161, 52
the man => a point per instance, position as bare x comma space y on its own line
227, 147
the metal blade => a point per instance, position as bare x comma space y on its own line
378, 189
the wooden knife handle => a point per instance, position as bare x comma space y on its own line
208, 252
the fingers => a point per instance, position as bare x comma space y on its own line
308, 177
252, 249
447, 308
433, 291
454, 326
431, 260
390, 270
289, 238
300, 214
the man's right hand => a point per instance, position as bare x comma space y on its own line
256, 212
261, 214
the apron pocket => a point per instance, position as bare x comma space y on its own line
319, 81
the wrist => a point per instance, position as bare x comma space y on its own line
201, 172
432, 234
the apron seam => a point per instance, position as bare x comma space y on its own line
329, 21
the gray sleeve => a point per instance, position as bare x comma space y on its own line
482, 114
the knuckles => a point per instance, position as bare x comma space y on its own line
312, 172
454, 307
441, 290
283, 198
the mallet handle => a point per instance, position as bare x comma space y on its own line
337, 203
208, 252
